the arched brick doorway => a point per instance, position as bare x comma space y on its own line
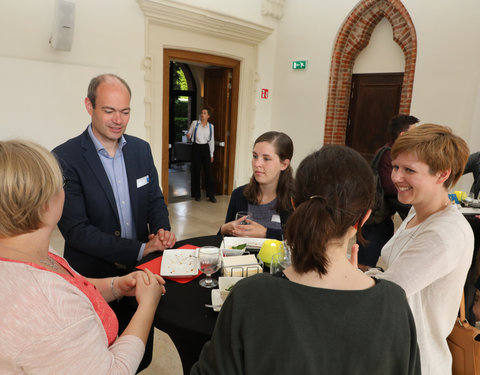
352, 38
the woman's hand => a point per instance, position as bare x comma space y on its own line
149, 287
354, 259
227, 228
126, 285
354, 256
251, 229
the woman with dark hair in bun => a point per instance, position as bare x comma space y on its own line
321, 315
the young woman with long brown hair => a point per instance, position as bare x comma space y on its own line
267, 195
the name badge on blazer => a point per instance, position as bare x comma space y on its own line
276, 218
143, 181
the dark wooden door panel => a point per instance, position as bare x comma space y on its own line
217, 94
375, 99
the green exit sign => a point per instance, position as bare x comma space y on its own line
301, 64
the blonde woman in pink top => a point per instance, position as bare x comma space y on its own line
53, 320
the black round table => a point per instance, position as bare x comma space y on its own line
181, 312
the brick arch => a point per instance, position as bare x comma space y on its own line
352, 38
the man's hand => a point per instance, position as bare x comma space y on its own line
168, 238
160, 241
153, 244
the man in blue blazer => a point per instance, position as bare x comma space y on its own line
114, 212
104, 236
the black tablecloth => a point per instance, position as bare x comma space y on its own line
181, 312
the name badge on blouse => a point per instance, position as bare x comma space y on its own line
276, 218
143, 181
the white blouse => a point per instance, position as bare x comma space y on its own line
430, 262
203, 135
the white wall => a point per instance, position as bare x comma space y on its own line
447, 77
447, 73
382, 54
249, 10
307, 31
446, 87
42, 89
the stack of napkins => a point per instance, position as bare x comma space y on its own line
242, 265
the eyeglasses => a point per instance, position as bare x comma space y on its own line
65, 180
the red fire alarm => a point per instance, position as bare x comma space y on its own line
264, 93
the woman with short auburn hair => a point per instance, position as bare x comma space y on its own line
53, 320
431, 252
306, 319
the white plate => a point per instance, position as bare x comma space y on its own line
225, 282
470, 211
179, 263
216, 299
231, 252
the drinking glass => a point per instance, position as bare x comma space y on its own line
469, 199
209, 262
275, 265
287, 255
243, 214
280, 261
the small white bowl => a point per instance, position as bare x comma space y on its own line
226, 282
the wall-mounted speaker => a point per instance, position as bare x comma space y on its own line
63, 25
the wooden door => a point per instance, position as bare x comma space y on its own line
375, 99
231, 130
217, 94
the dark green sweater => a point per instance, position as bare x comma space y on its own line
270, 325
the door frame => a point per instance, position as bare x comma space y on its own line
230, 142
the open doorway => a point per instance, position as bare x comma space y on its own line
182, 110
192, 80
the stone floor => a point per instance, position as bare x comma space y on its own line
179, 182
